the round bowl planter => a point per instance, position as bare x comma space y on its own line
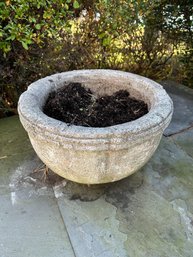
95, 155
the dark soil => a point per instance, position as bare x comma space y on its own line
75, 104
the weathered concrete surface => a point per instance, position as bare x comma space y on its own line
149, 214
183, 107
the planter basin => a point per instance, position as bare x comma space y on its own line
95, 155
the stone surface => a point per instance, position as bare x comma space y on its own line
93, 230
149, 214
32, 228
30, 221
183, 107
95, 155
185, 141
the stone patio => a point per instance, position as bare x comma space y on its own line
149, 214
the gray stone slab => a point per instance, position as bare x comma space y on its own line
183, 107
147, 214
30, 221
185, 141
93, 228
14, 147
32, 228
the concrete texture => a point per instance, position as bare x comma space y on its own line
95, 155
149, 214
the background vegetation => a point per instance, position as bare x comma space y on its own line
41, 37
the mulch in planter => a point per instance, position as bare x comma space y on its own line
75, 104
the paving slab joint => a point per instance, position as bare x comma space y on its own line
65, 227
179, 147
180, 131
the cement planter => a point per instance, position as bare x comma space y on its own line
95, 155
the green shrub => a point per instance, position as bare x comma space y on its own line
38, 38
29, 22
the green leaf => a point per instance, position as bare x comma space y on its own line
68, 1
76, 4
24, 45
38, 26
66, 6
12, 37
106, 41
102, 35
28, 41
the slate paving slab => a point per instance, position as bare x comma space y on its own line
30, 221
183, 107
185, 141
32, 228
149, 214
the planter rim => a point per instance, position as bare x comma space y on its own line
159, 115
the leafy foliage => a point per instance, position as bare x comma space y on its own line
30, 21
41, 37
